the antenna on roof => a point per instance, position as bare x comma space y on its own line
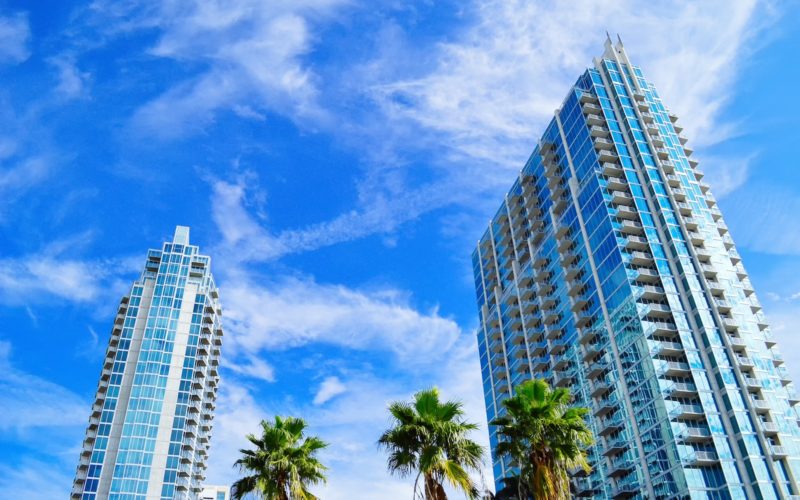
619, 39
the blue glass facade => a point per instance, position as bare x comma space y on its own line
609, 269
150, 426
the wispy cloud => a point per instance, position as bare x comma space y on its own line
72, 82
250, 54
51, 273
291, 312
329, 389
15, 34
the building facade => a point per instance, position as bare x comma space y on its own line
215, 493
149, 430
609, 269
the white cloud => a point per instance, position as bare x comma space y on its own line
251, 54
245, 239
34, 480
726, 174
292, 312
50, 273
15, 34
492, 89
329, 389
72, 82
252, 367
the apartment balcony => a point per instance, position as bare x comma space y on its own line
651, 292
695, 237
631, 227
586, 335
731, 325
627, 490
662, 153
537, 348
606, 405
778, 451
597, 368
636, 243
690, 223
680, 390
584, 319
723, 306
715, 287
664, 348
673, 368
610, 424
599, 131
540, 364
619, 467
623, 212
668, 166
673, 180
761, 406
752, 383
601, 143
769, 428
647, 117
621, 198
661, 328
693, 434
745, 362
559, 346
564, 379
595, 119
658, 310
591, 351
644, 274
684, 208
612, 169
615, 445
599, 388
687, 411
607, 156
701, 458
583, 487
738, 344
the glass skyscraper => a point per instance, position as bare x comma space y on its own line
148, 434
609, 269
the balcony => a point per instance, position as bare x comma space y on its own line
664, 348
619, 467
778, 451
621, 198
599, 131
599, 388
610, 424
752, 383
597, 368
612, 169
601, 143
693, 434
615, 445
592, 108
761, 406
606, 405
769, 428
624, 212
636, 242
687, 411
626, 490
673, 368
701, 458
680, 390
651, 292
631, 227
595, 119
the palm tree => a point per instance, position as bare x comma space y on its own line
430, 438
545, 437
283, 464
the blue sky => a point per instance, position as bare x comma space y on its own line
338, 160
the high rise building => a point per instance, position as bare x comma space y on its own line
609, 269
215, 493
149, 431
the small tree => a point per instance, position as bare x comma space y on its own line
545, 437
283, 464
429, 438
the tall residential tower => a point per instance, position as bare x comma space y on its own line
149, 431
609, 269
